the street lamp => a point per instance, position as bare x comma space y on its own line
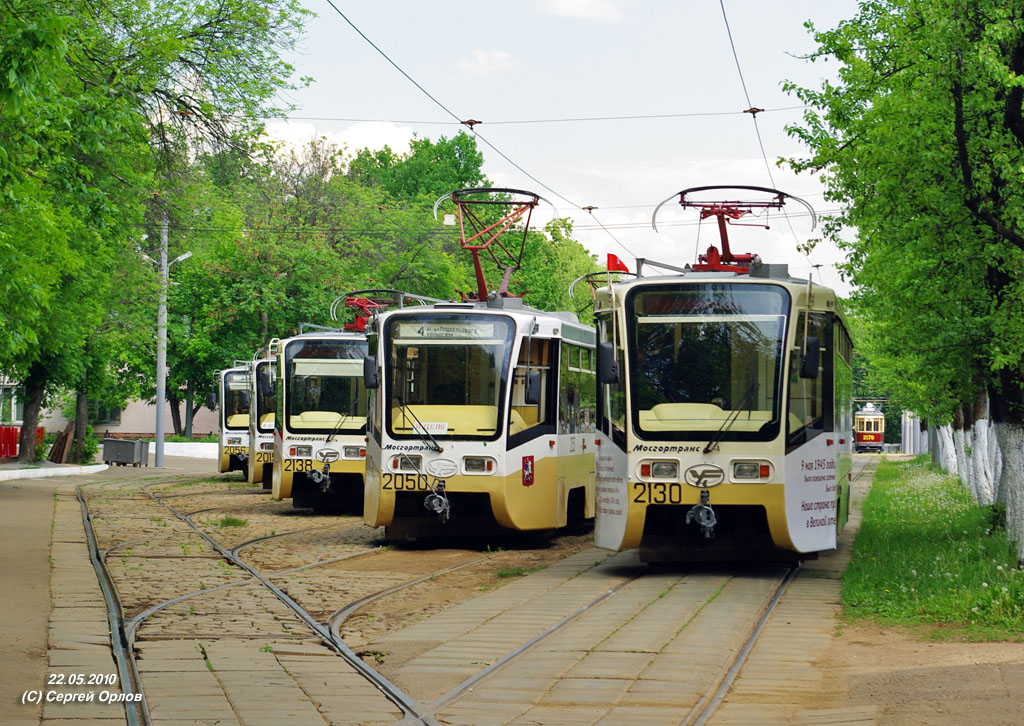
161, 341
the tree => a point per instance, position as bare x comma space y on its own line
90, 88
922, 139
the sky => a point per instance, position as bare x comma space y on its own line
530, 70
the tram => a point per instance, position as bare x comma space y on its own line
482, 411
233, 442
868, 429
724, 424
320, 424
261, 419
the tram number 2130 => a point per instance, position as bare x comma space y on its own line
657, 492
405, 482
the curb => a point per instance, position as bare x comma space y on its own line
8, 474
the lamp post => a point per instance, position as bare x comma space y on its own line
161, 340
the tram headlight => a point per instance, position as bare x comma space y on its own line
406, 463
665, 470
234, 440
355, 452
478, 464
267, 446
751, 470
659, 469
300, 452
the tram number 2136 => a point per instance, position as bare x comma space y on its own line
657, 492
405, 482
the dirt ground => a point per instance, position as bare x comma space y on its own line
912, 680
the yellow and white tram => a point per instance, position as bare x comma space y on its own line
724, 411
320, 422
233, 442
320, 426
261, 419
482, 412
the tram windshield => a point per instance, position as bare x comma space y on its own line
324, 386
706, 360
265, 404
446, 374
236, 400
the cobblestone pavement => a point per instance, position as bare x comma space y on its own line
214, 646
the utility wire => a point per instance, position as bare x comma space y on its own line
757, 130
577, 119
447, 110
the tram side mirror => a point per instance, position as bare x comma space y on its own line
607, 367
243, 398
266, 386
211, 401
811, 360
531, 397
370, 372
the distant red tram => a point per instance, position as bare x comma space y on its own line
868, 429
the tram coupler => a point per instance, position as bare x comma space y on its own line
321, 478
243, 457
437, 503
703, 515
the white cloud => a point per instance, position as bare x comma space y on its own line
368, 134
486, 62
609, 11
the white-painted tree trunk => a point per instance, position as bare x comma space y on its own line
962, 444
947, 449
1010, 440
982, 463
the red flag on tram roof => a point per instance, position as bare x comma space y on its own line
615, 264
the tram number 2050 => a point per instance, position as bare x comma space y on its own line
657, 492
405, 482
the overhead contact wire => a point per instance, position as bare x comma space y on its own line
448, 111
757, 129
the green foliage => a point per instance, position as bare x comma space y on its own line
920, 141
926, 554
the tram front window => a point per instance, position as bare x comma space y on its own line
325, 391
706, 358
236, 400
446, 375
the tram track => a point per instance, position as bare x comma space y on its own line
127, 629
327, 630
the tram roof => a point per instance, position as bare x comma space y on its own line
499, 306
765, 274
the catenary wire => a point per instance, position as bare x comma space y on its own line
447, 110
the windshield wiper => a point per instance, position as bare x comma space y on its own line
732, 417
425, 436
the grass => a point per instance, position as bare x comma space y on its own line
518, 571
229, 521
927, 555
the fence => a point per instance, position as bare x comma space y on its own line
9, 440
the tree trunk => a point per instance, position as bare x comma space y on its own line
189, 395
172, 399
81, 423
35, 388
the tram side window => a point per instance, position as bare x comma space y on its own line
576, 394
611, 401
810, 399
534, 355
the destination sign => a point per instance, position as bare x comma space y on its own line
447, 330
